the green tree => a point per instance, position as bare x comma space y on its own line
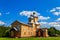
3, 30
53, 32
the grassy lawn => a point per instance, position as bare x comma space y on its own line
48, 38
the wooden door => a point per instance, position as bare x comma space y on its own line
12, 33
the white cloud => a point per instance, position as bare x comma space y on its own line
28, 13
58, 8
55, 11
55, 24
2, 23
43, 18
50, 24
5, 13
43, 23
0, 14
58, 19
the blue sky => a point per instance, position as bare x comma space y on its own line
10, 10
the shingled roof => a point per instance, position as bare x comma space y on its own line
20, 23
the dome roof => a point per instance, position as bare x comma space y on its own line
33, 15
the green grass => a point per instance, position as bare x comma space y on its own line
38, 38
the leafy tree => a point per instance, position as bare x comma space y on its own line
3, 30
53, 32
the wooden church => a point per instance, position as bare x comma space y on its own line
31, 29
